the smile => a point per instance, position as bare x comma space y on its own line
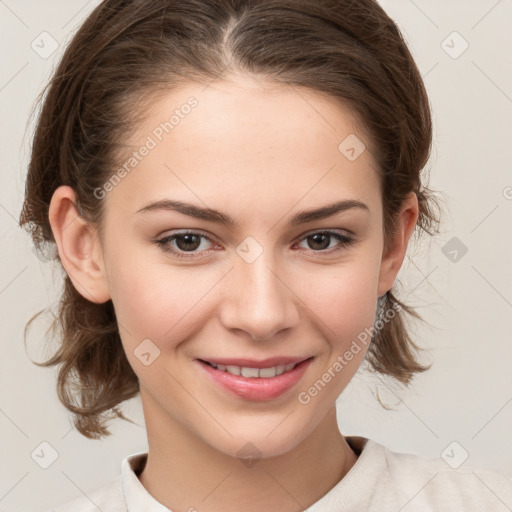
253, 382
255, 373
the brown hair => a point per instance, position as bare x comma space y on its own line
128, 49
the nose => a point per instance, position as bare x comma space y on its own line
259, 299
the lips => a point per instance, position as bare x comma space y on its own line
257, 380
253, 363
254, 372
251, 368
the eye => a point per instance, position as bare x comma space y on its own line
186, 242
179, 244
320, 241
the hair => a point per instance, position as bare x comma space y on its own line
126, 52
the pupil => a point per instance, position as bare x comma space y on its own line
315, 238
186, 246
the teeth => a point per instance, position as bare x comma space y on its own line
250, 372
254, 372
235, 370
267, 372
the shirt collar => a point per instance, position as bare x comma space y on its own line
136, 496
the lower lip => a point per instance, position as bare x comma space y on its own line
257, 388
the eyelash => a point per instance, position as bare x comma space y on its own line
163, 243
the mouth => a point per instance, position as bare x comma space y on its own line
253, 372
253, 380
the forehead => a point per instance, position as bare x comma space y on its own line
247, 140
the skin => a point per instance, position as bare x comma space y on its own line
260, 152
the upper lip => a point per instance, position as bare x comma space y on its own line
252, 363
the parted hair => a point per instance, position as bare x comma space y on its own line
125, 53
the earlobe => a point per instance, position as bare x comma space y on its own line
79, 246
393, 258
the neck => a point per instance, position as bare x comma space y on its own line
184, 473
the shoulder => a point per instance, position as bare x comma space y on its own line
439, 484
115, 495
107, 498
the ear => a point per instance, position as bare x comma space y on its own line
393, 256
79, 246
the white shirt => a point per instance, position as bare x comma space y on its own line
379, 481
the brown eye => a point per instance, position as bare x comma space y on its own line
187, 242
179, 244
321, 241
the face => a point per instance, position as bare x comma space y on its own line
270, 286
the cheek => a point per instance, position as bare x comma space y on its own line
344, 299
158, 301
345, 315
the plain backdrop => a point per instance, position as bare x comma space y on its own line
461, 282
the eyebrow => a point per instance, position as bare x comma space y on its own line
218, 217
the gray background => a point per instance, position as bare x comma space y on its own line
466, 298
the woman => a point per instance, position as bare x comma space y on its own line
231, 187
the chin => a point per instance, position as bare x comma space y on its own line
260, 440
